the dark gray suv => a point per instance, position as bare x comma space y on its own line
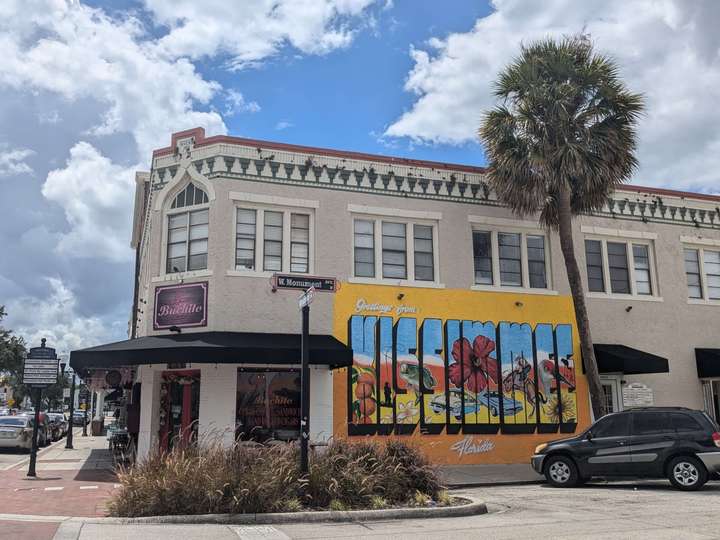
679, 444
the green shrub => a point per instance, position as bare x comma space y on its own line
253, 479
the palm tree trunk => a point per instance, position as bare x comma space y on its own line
576, 288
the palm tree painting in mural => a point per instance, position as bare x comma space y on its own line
562, 138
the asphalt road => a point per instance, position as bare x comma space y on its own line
607, 511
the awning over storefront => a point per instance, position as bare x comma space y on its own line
708, 363
213, 348
623, 359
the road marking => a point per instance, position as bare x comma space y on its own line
88, 487
259, 532
115, 486
56, 488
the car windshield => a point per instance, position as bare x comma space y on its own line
13, 422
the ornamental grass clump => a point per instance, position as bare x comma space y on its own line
212, 479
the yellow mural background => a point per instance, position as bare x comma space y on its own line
446, 304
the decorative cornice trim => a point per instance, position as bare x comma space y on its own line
505, 222
699, 240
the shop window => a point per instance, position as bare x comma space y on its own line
482, 254
187, 231
618, 267
692, 272
268, 405
299, 243
407, 250
187, 241
510, 259
702, 269
273, 240
245, 238
364, 242
424, 263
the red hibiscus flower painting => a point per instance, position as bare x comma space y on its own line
477, 366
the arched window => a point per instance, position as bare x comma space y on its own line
190, 196
187, 232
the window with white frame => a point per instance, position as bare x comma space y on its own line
623, 267
187, 231
702, 268
394, 249
273, 239
510, 259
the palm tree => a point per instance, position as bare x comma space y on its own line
561, 140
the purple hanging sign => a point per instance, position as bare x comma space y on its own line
181, 305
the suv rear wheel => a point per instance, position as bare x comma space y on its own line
561, 471
687, 473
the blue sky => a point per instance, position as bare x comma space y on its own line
89, 88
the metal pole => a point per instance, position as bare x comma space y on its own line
34, 448
69, 438
85, 412
305, 390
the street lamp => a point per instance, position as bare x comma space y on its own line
69, 438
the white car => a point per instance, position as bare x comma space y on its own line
16, 432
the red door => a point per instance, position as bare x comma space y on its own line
179, 408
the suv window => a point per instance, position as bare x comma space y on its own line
684, 422
616, 425
650, 423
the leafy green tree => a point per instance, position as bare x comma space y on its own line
562, 138
12, 355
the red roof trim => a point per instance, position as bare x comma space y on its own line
200, 140
670, 192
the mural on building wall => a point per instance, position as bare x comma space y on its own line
459, 376
469, 376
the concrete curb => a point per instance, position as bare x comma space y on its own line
499, 483
471, 508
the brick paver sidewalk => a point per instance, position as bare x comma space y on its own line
74, 482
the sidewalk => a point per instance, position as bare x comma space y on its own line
464, 476
69, 483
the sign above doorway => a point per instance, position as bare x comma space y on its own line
181, 306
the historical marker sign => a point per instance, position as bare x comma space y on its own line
289, 281
41, 367
181, 305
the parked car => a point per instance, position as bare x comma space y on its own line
58, 425
676, 443
16, 431
79, 418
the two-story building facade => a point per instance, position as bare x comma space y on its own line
452, 324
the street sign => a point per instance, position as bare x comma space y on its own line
288, 281
306, 298
41, 367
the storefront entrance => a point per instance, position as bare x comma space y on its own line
179, 408
268, 405
711, 398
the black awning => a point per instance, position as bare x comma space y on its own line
708, 362
213, 348
623, 359
115, 395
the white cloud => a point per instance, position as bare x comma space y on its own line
56, 318
49, 117
12, 161
283, 124
667, 49
235, 103
256, 29
94, 193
